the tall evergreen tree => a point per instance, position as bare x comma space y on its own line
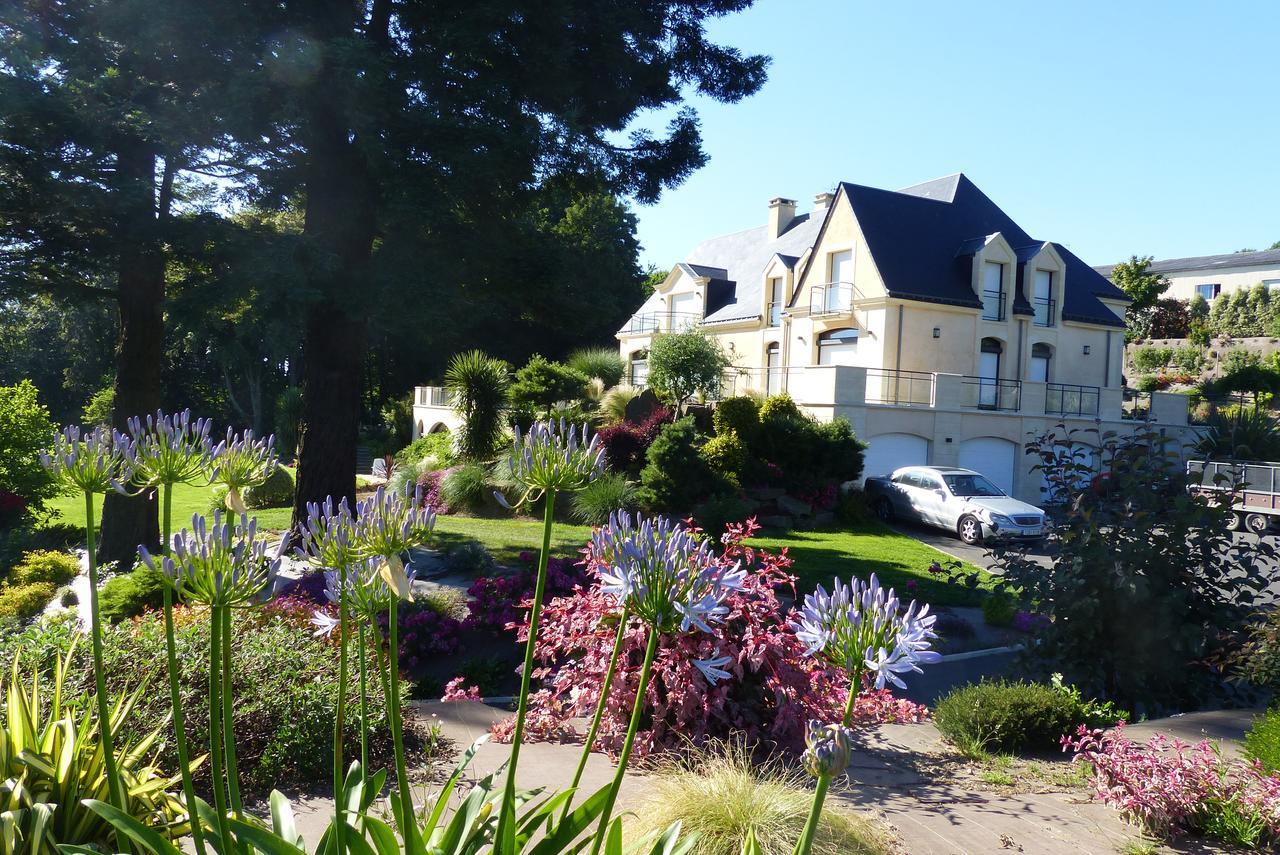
406, 114
112, 108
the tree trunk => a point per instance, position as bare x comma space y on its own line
339, 229
128, 521
327, 434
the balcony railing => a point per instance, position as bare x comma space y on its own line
900, 388
774, 313
993, 305
1137, 405
1066, 399
989, 393
831, 298
656, 322
1046, 310
434, 396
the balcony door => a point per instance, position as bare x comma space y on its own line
684, 311
1039, 370
989, 373
841, 279
773, 370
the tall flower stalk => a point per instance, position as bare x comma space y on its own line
242, 461
387, 525
169, 450
858, 629
94, 463
666, 576
328, 540
225, 565
550, 459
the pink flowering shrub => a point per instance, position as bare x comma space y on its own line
455, 691
774, 688
431, 482
1171, 788
498, 602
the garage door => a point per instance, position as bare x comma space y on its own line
992, 457
890, 451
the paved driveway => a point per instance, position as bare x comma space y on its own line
947, 542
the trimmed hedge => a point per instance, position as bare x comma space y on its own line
45, 565
1004, 716
20, 602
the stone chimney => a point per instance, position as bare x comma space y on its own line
781, 213
822, 201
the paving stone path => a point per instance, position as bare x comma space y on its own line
903, 774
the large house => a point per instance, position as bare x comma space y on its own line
926, 316
1213, 275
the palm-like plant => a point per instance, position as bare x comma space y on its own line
479, 384
51, 759
1243, 433
601, 362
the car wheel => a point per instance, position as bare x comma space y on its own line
1258, 523
1235, 521
969, 529
884, 509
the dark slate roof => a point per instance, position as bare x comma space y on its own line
921, 240
1262, 258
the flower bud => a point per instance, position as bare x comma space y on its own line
829, 749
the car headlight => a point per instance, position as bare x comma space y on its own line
1001, 520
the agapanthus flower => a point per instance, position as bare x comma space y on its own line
712, 668
328, 536
223, 563
388, 524
94, 462
170, 449
553, 456
662, 572
324, 623
859, 627
829, 747
240, 462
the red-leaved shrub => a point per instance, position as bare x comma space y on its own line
1171, 788
774, 690
626, 443
497, 603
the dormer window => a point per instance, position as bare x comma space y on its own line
993, 291
685, 311
1042, 298
773, 313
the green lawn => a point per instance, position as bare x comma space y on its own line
819, 555
864, 549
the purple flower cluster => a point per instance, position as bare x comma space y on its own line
170, 449
95, 462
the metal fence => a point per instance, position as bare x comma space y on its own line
900, 388
831, 298
655, 322
988, 393
1068, 399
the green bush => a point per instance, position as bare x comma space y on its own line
98, 409
601, 362
683, 364
470, 558
1147, 383
467, 488
718, 511
45, 565
675, 475
998, 609
1190, 358
130, 594
25, 430
606, 494
24, 537
541, 384
437, 446
275, 492
1149, 359
69, 598
740, 415
1238, 359
613, 406
726, 453
779, 408
1004, 716
20, 602
1262, 741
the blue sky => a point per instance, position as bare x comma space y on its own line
1113, 127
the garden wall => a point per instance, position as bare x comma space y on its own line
1215, 352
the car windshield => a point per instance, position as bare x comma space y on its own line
971, 485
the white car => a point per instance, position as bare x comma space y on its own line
959, 500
